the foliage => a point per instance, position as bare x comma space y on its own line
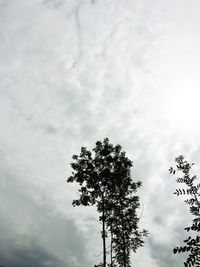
105, 181
191, 190
123, 223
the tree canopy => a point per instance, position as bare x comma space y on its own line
104, 176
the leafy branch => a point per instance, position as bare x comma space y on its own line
191, 190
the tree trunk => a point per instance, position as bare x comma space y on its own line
124, 242
104, 232
111, 248
123, 235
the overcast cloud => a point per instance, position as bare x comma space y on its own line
73, 72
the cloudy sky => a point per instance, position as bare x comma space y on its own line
73, 72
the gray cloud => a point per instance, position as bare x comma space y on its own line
31, 255
163, 255
73, 72
33, 232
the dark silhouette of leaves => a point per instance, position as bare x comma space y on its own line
105, 181
192, 245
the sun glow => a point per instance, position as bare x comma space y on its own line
182, 110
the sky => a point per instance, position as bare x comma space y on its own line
76, 71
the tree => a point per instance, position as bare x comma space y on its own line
123, 220
105, 181
191, 190
126, 236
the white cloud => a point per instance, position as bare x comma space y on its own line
73, 72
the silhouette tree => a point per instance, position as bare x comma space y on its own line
191, 189
105, 181
123, 220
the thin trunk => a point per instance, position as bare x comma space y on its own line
111, 248
124, 242
104, 232
123, 235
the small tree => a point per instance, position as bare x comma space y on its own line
123, 222
191, 189
105, 181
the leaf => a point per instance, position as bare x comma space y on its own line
187, 229
175, 250
186, 240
